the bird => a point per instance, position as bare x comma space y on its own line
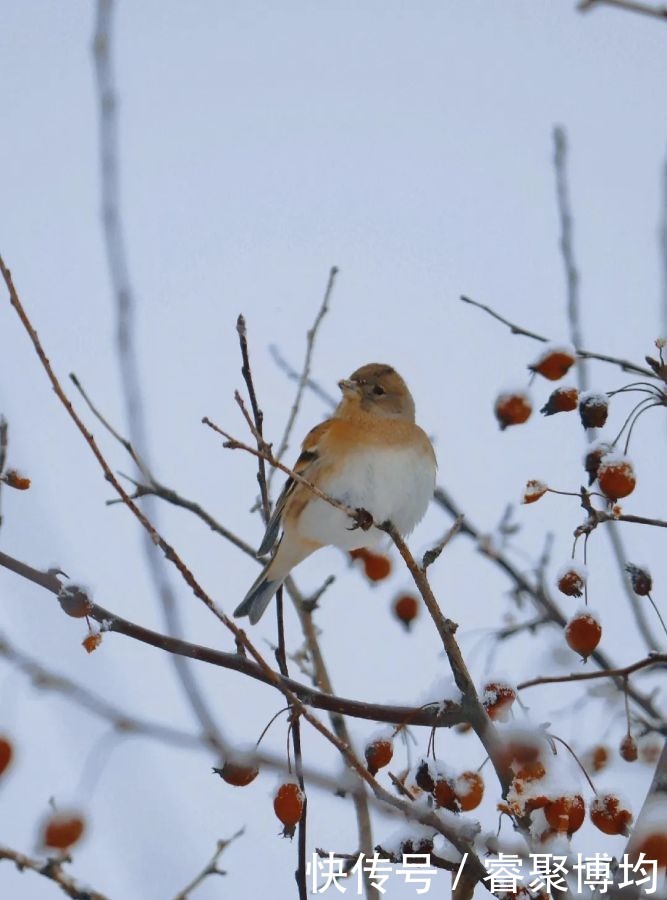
369, 455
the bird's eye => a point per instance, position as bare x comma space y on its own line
377, 390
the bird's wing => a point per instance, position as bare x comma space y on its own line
310, 454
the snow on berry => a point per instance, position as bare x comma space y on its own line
513, 407
593, 457
571, 579
583, 632
616, 476
593, 409
610, 814
534, 490
555, 361
563, 399
640, 579
497, 698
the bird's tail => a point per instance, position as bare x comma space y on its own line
258, 597
288, 554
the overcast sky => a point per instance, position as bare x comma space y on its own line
261, 143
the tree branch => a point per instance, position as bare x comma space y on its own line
51, 869
625, 364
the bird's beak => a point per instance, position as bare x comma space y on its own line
348, 387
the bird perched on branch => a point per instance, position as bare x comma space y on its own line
369, 455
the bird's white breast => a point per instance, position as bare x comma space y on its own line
393, 484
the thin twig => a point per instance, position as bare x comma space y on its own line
211, 868
114, 242
258, 415
52, 869
303, 378
446, 628
644, 9
540, 597
450, 714
431, 555
654, 659
567, 250
123, 723
625, 364
293, 375
4, 430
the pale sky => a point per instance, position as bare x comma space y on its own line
261, 143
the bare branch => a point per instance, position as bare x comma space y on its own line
303, 378
543, 601
644, 9
654, 659
451, 714
51, 868
114, 241
567, 249
625, 364
124, 723
211, 867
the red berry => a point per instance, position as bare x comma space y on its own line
6, 754
534, 490
469, 790
628, 748
512, 409
583, 633
616, 476
378, 754
288, 806
406, 609
553, 363
14, 479
572, 581
237, 774
62, 830
377, 566
609, 815
563, 399
498, 697
566, 814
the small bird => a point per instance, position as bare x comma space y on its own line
369, 455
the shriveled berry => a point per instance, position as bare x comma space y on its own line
628, 748
572, 581
534, 490
593, 409
593, 459
16, 480
74, 601
640, 579
554, 362
563, 399
512, 409
424, 777
445, 795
